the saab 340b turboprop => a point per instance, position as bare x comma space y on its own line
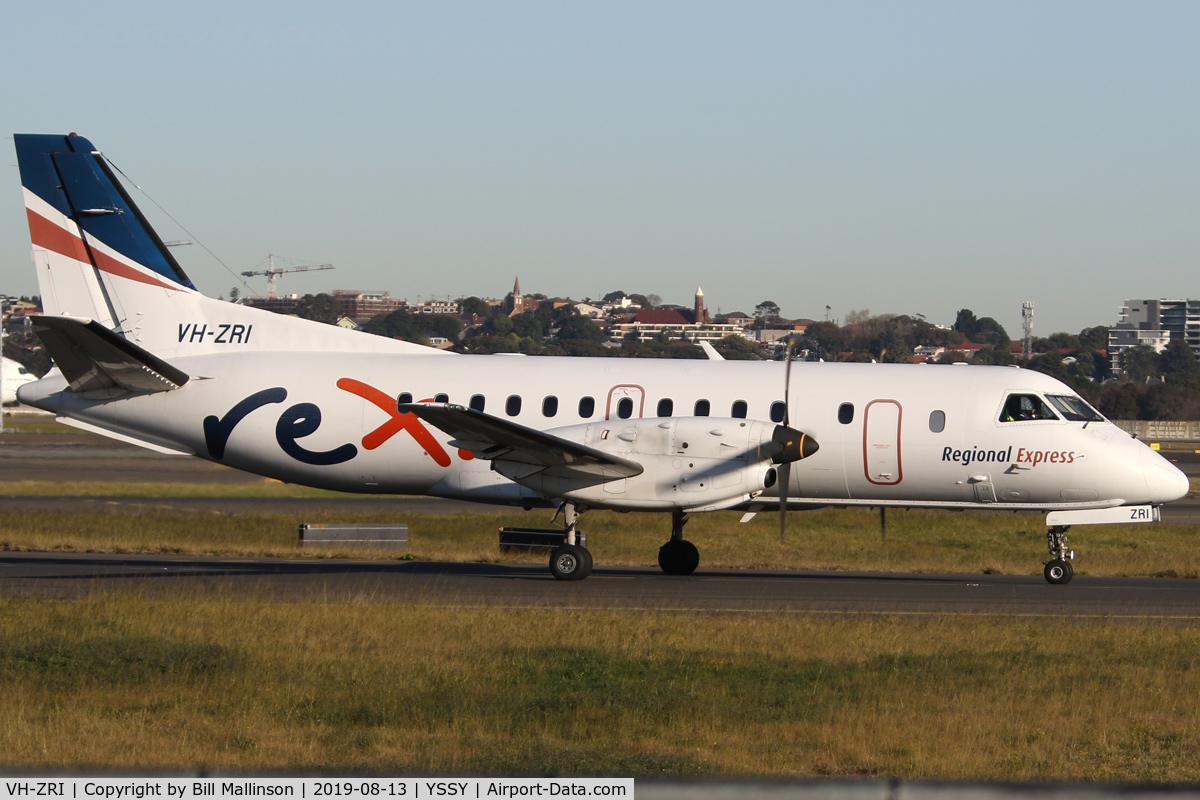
141, 356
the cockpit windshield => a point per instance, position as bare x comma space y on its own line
1075, 409
1024, 408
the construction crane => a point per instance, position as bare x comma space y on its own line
273, 274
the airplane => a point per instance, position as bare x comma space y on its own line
14, 375
143, 357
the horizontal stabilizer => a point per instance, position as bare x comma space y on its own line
495, 439
93, 358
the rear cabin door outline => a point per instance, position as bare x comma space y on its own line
635, 393
882, 463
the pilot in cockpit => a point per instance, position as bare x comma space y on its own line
1025, 407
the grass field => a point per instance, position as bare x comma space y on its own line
212, 681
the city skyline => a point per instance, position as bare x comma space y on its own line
903, 159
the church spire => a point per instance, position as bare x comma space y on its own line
518, 299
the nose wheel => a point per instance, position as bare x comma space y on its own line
1058, 569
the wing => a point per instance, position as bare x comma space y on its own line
92, 357
528, 451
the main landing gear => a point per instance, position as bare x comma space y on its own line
678, 556
570, 561
1058, 568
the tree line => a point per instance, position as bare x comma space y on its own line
1151, 386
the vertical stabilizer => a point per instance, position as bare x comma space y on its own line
86, 231
98, 258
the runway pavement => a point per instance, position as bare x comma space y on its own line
643, 589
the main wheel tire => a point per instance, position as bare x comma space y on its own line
1058, 571
678, 557
570, 562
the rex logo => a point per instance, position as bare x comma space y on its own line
303, 419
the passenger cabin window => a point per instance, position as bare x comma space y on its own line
625, 408
477, 402
1025, 408
777, 409
846, 413
587, 407
1074, 409
512, 406
441, 398
738, 410
403, 398
549, 406
666, 407
937, 421
702, 408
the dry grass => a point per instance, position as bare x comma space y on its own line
213, 681
831, 539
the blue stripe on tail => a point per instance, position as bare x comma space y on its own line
68, 173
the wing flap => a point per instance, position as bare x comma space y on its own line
93, 358
531, 451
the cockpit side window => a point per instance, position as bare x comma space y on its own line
1074, 409
1024, 408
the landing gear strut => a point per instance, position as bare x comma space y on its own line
1058, 568
678, 556
569, 561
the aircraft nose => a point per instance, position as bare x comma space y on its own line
1164, 480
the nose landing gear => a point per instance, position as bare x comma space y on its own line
1058, 569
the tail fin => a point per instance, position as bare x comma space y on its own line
98, 258
86, 230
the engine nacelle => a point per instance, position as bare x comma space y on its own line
692, 463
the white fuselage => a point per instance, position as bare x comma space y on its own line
306, 418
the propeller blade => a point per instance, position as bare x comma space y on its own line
785, 480
785, 441
787, 383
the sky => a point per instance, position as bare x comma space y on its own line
907, 158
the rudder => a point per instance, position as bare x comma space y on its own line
86, 230
98, 258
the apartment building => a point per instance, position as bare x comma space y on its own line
1153, 323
